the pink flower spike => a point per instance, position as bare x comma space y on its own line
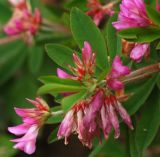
132, 14
28, 141
33, 119
119, 68
98, 12
117, 71
139, 51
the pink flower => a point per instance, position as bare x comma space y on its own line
22, 20
139, 51
132, 14
118, 70
157, 5
109, 117
90, 117
80, 119
62, 74
98, 12
33, 120
84, 68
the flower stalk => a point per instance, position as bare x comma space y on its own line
142, 73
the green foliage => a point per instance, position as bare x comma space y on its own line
147, 34
58, 88
6, 146
84, 29
140, 94
113, 41
149, 123
35, 58
153, 14
53, 136
11, 58
60, 55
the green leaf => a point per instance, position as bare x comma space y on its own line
84, 29
5, 13
158, 46
141, 93
113, 41
6, 147
147, 34
11, 58
133, 147
35, 58
110, 148
55, 79
60, 55
69, 101
153, 14
53, 136
58, 88
149, 123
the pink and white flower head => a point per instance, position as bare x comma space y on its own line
22, 20
84, 68
33, 119
89, 117
98, 12
80, 120
118, 70
139, 51
132, 14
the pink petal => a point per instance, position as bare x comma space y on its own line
115, 84
63, 74
119, 67
66, 126
86, 52
113, 119
19, 130
139, 51
124, 115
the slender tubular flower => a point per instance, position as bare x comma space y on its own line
98, 12
90, 117
118, 70
33, 120
22, 20
109, 117
81, 120
84, 68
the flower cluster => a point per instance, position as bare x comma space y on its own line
118, 70
133, 14
22, 20
89, 117
98, 12
97, 112
84, 69
33, 120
